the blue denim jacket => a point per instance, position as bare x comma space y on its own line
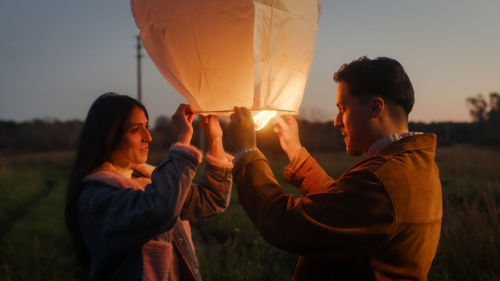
116, 222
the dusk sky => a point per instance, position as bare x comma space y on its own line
57, 56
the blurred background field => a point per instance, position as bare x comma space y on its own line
34, 244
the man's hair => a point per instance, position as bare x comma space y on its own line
381, 77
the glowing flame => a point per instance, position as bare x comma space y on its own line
262, 117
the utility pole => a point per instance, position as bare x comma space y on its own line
139, 56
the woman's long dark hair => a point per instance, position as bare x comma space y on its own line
100, 136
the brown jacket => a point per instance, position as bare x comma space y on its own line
380, 220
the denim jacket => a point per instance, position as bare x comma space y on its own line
116, 223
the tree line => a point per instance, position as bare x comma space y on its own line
53, 135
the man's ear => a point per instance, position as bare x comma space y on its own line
377, 105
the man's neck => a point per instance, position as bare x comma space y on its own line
393, 130
386, 127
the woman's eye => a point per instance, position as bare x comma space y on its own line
134, 130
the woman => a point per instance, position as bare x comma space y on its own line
129, 220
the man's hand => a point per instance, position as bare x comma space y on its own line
182, 120
241, 129
211, 127
287, 130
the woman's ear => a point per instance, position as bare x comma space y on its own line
377, 105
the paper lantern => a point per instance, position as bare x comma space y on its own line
224, 53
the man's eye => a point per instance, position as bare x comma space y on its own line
134, 130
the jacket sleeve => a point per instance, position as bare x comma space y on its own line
306, 174
344, 223
128, 217
211, 196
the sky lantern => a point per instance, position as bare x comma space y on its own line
224, 53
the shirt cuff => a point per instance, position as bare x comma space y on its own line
243, 153
294, 171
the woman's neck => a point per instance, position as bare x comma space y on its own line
122, 167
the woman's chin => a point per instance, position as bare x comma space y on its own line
143, 158
140, 160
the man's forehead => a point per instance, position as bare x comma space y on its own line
342, 93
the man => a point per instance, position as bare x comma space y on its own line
381, 219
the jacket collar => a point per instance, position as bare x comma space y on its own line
384, 142
422, 141
109, 175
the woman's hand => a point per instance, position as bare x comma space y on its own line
287, 130
211, 128
182, 120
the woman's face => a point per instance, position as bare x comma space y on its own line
134, 145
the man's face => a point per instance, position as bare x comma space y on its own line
353, 121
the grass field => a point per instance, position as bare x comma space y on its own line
34, 244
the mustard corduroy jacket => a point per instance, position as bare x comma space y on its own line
380, 220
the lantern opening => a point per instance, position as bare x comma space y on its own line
262, 117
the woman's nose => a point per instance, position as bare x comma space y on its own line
147, 136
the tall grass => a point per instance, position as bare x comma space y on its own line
470, 238
36, 245
22, 180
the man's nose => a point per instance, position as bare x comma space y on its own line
338, 122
